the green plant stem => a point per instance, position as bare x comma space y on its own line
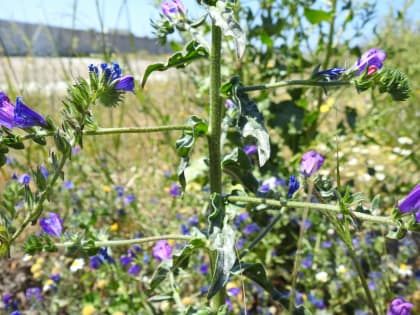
298, 256
114, 131
132, 241
279, 84
362, 278
214, 134
315, 206
34, 214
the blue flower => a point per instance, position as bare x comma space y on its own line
129, 199
95, 262
204, 269
330, 74
270, 184
241, 218
134, 270
15, 313
175, 190
7, 116
68, 184
251, 228
26, 117
24, 179
184, 229
44, 171
34, 294
411, 202
250, 149
52, 225
113, 75
55, 277
293, 186
9, 302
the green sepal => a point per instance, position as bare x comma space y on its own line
399, 232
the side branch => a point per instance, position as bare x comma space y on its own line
132, 241
315, 206
323, 84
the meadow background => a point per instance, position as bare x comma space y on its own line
122, 186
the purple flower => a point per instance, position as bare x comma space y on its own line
330, 74
26, 117
411, 202
9, 302
241, 243
146, 258
125, 260
119, 190
173, 9
418, 217
68, 184
52, 225
251, 228
326, 244
229, 104
241, 218
307, 261
55, 277
372, 58
95, 262
311, 163
24, 179
250, 149
7, 116
15, 313
270, 184
129, 199
34, 294
134, 270
162, 250
44, 171
184, 229
175, 190
204, 269
126, 83
293, 186
234, 291
400, 307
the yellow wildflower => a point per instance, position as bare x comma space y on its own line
88, 309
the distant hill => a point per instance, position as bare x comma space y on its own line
21, 39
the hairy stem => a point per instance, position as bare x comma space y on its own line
114, 131
214, 134
279, 84
34, 214
315, 206
132, 241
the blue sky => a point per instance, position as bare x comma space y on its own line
133, 15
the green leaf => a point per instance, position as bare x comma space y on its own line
223, 16
375, 203
301, 310
317, 16
239, 167
160, 274
223, 241
217, 213
192, 51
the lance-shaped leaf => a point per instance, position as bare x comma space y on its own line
223, 241
238, 165
317, 16
251, 123
192, 51
223, 16
186, 142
